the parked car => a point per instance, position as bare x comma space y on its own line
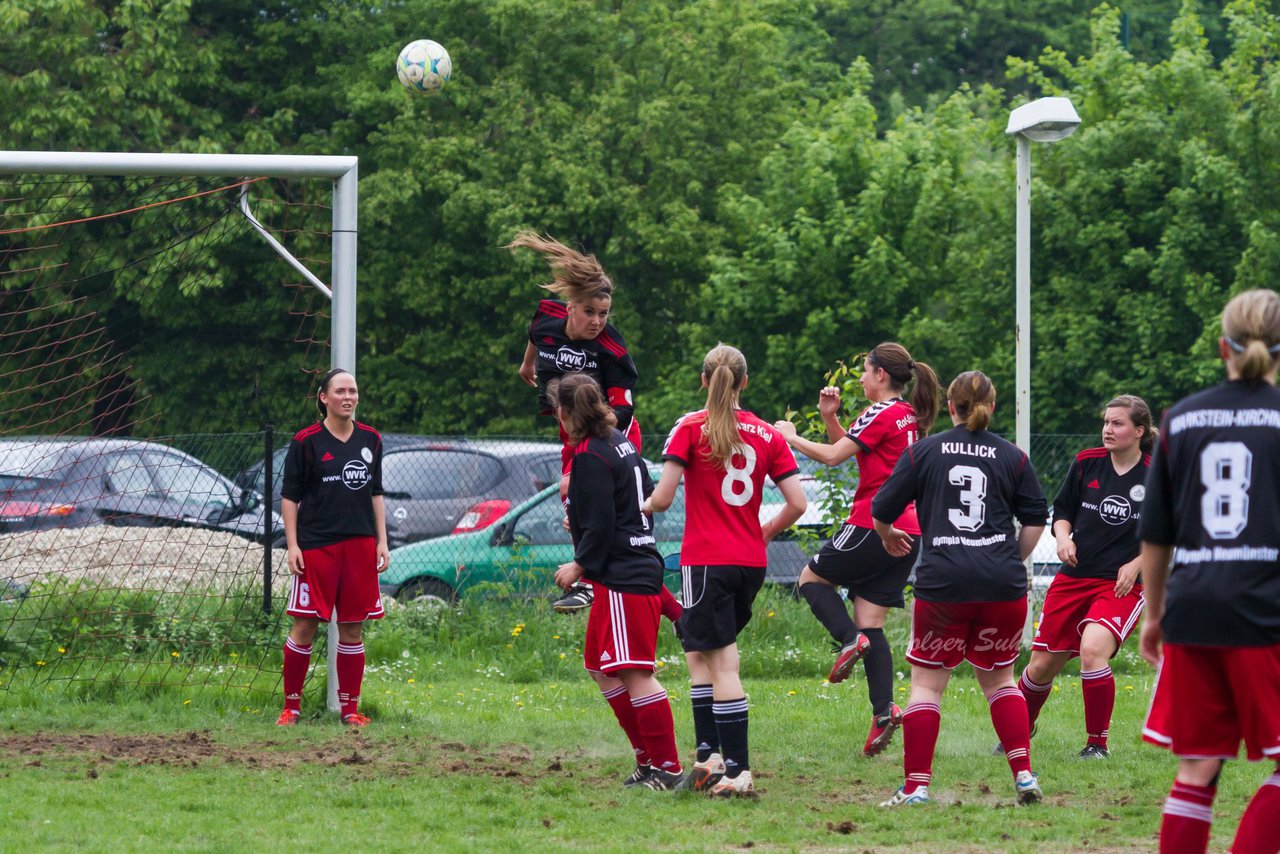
433, 487
526, 544
68, 482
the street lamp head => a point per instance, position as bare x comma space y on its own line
1044, 120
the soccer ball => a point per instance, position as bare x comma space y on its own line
424, 66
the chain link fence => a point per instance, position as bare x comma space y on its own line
162, 560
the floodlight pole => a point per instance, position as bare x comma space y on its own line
1022, 310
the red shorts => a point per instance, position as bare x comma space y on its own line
986, 634
1208, 698
566, 451
622, 631
343, 573
1071, 603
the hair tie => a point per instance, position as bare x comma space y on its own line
1236, 346
911, 365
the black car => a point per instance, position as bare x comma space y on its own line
433, 487
68, 482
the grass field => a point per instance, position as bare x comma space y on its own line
482, 746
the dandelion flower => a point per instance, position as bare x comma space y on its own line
791, 693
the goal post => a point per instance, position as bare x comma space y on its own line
341, 169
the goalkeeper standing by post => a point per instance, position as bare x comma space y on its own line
335, 526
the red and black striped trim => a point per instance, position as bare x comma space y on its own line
613, 345
553, 308
1092, 453
309, 430
370, 429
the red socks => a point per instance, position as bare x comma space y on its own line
1258, 833
297, 660
920, 725
671, 609
350, 676
1188, 812
1035, 695
626, 715
1009, 715
658, 730
1099, 688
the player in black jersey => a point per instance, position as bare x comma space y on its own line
1095, 601
335, 526
969, 486
572, 335
615, 551
1211, 562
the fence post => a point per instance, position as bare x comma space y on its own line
268, 515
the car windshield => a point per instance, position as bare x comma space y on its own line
31, 459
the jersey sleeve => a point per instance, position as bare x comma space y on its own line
1157, 522
898, 491
871, 427
619, 375
1029, 505
679, 445
1067, 501
591, 503
782, 464
294, 472
548, 311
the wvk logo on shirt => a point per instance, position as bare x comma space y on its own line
355, 474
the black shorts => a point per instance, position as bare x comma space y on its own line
855, 558
717, 604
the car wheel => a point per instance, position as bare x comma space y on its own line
431, 590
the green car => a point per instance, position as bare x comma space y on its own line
520, 551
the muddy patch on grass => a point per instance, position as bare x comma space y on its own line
365, 755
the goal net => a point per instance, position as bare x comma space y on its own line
149, 336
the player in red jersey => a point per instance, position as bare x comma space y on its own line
969, 486
723, 453
615, 551
1096, 598
573, 335
336, 529
854, 558
1211, 562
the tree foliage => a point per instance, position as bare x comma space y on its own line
802, 180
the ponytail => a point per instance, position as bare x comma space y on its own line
725, 370
583, 409
974, 397
895, 361
1251, 330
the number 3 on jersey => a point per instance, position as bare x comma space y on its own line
737, 488
1226, 469
972, 497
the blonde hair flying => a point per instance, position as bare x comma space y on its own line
575, 277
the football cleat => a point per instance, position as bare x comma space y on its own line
882, 728
356, 719
901, 798
580, 596
1095, 751
703, 775
741, 786
638, 776
849, 655
289, 717
662, 781
1028, 788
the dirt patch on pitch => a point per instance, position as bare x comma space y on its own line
397, 755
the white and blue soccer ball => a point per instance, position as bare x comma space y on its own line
424, 66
